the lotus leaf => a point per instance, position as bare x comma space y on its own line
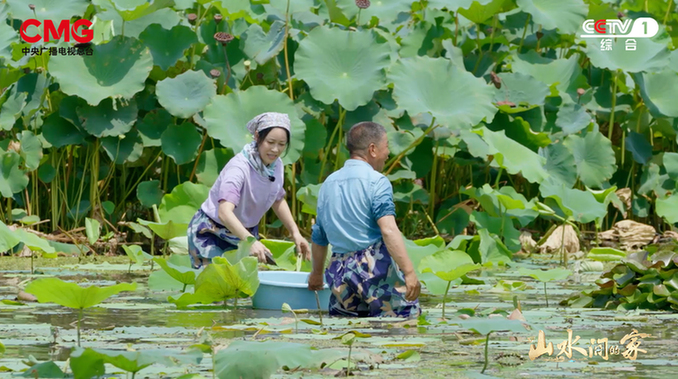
149, 193
514, 157
452, 95
72, 295
7, 238
11, 109
87, 363
47, 9
124, 148
226, 117
182, 274
115, 69
657, 90
186, 94
181, 204
261, 46
648, 56
593, 156
551, 14
639, 146
167, 45
181, 142
210, 164
153, 126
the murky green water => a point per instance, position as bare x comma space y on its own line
145, 320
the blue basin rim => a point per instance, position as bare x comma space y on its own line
291, 279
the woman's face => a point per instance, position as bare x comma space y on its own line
273, 145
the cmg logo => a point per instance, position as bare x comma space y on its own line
65, 29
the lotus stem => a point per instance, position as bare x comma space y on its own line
342, 116
392, 163
357, 22
197, 160
348, 365
614, 103
527, 22
287, 60
546, 295
326, 150
79, 319
432, 188
456, 27
320, 310
445, 297
668, 11
487, 344
480, 51
184, 289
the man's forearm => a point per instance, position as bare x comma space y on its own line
396, 247
319, 256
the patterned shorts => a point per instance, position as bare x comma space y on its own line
207, 239
368, 283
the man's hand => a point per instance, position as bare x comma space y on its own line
315, 281
413, 287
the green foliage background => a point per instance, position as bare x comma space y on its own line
499, 115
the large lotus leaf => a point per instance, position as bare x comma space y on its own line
185, 275
11, 109
448, 265
639, 146
561, 73
186, 94
227, 116
566, 16
31, 149
417, 252
670, 161
166, 17
479, 13
455, 97
514, 157
149, 193
580, 205
501, 226
59, 132
123, 148
181, 142
341, 65
520, 131
668, 208
186, 195
133, 9
522, 90
7, 238
118, 68
72, 295
210, 164
572, 118
12, 178
105, 120
560, 164
261, 46
33, 242
167, 46
659, 91
648, 56
239, 359
593, 156
453, 5
55, 10
390, 13
166, 230
492, 249
153, 126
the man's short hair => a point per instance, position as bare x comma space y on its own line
362, 134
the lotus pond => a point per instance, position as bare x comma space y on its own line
163, 341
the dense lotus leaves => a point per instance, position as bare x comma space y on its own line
153, 126
390, 14
131, 10
227, 117
572, 118
455, 97
72, 295
59, 132
514, 157
7, 238
115, 69
399, 141
181, 204
210, 164
261, 46
186, 94
563, 73
87, 363
454, 5
124, 148
166, 17
567, 17
649, 55
582, 206
149, 193
520, 131
560, 164
8, 36
181, 142
658, 90
108, 118
501, 226
55, 10
667, 207
341, 65
593, 156
523, 90
479, 13
639, 147
259, 360
12, 177
167, 46
12, 106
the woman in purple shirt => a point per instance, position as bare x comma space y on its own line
247, 187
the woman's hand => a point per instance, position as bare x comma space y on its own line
260, 251
303, 249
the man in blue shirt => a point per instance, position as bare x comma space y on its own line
356, 215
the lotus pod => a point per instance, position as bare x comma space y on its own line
362, 4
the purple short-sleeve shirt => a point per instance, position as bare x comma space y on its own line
252, 193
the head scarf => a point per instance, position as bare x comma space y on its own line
257, 124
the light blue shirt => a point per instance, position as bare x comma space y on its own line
350, 202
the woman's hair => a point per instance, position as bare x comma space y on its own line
264, 133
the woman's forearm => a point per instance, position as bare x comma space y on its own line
231, 222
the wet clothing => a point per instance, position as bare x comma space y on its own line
364, 279
350, 202
368, 283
